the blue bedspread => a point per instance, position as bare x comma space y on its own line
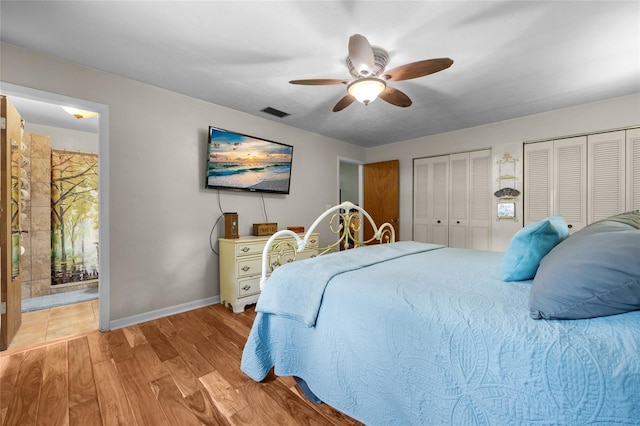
295, 290
437, 338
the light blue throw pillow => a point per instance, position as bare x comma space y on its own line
529, 245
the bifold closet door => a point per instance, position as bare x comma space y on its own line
430, 200
459, 200
538, 181
452, 200
633, 169
570, 181
480, 200
607, 181
555, 181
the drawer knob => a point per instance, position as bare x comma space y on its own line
246, 268
245, 249
246, 287
312, 241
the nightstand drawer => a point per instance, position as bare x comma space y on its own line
307, 254
313, 242
249, 267
249, 248
248, 287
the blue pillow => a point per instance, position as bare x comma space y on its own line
529, 245
593, 273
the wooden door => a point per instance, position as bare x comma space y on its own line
381, 188
10, 286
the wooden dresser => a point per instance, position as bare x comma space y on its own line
241, 266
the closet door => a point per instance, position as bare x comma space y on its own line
439, 223
570, 181
607, 181
421, 169
431, 200
480, 200
633, 169
538, 181
458, 200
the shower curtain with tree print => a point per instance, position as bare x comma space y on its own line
74, 217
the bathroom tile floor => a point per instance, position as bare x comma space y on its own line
53, 323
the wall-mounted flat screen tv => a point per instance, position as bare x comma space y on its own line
241, 162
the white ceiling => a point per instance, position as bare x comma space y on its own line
511, 59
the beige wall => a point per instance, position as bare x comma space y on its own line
160, 215
501, 137
71, 140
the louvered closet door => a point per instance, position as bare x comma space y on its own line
458, 200
570, 176
439, 194
538, 181
633, 169
480, 200
421, 168
431, 200
607, 181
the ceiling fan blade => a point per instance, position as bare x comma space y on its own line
418, 69
361, 54
319, 82
343, 103
395, 97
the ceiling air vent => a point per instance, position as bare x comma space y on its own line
276, 112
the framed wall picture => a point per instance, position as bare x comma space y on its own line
506, 210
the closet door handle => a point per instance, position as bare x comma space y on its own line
457, 221
569, 226
438, 221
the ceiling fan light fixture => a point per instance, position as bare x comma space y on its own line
79, 113
366, 90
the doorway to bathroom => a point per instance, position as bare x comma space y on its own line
60, 247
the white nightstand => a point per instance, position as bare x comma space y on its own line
241, 266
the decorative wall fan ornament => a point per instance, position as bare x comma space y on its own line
507, 193
367, 65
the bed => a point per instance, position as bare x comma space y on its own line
410, 333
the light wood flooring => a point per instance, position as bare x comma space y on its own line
180, 370
49, 324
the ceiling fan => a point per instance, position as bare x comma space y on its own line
367, 65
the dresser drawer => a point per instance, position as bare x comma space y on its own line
249, 267
249, 248
313, 242
248, 287
307, 254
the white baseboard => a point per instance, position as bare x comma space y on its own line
164, 312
